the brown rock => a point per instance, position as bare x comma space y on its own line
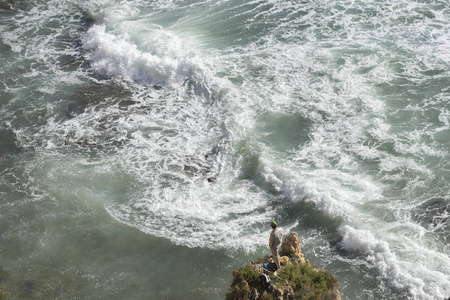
243, 290
288, 293
336, 295
278, 294
242, 284
264, 295
283, 291
291, 247
254, 295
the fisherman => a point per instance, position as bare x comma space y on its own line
275, 241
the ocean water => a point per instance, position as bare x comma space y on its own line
145, 146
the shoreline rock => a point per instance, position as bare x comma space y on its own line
296, 279
6, 5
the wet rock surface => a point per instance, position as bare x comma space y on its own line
6, 5
434, 215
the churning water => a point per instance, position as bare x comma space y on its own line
146, 145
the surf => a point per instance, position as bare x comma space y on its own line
202, 122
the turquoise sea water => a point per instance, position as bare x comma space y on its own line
145, 146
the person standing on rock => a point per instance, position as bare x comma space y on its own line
275, 239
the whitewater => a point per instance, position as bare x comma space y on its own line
145, 146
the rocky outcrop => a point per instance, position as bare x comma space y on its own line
296, 279
291, 247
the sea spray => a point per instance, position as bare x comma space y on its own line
117, 57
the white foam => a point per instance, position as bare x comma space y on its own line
400, 251
115, 55
217, 217
333, 192
421, 271
326, 75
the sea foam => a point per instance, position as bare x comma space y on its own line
117, 56
418, 274
404, 263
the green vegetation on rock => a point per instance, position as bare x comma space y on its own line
308, 282
247, 273
298, 279
301, 279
